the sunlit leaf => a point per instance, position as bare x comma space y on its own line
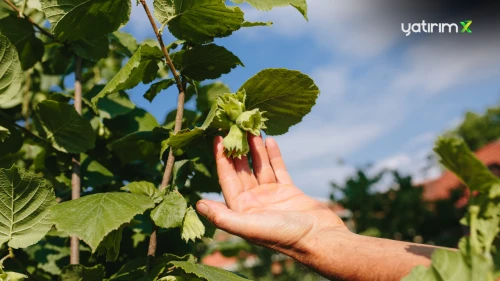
266, 5
170, 212
26, 199
285, 95
11, 75
142, 66
198, 21
102, 213
73, 19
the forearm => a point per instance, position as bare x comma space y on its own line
342, 255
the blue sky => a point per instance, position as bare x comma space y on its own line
384, 96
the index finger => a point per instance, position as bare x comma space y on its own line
228, 178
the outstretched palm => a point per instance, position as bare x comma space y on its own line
264, 206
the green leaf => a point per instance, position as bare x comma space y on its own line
26, 199
146, 189
65, 128
78, 272
457, 157
21, 34
142, 66
256, 23
94, 48
185, 137
170, 213
136, 120
114, 105
205, 62
94, 173
102, 213
11, 276
285, 95
206, 272
156, 88
110, 246
180, 173
11, 75
74, 19
266, 5
136, 146
192, 227
198, 21
4, 133
125, 42
208, 93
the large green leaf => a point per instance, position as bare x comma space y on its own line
142, 66
65, 128
74, 19
266, 5
11, 75
285, 95
125, 42
205, 62
170, 212
78, 272
446, 266
21, 34
457, 157
206, 272
92, 217
198, 21
26, 199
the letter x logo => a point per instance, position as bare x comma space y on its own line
466, 24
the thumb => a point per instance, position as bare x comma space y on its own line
220, 215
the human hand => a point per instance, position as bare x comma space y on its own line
264, 206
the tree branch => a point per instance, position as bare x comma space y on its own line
178, 124
75, 174
21, 14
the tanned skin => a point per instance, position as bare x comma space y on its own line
266, 208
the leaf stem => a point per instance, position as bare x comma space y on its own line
21, 14
75, 174
9, 255
178, 124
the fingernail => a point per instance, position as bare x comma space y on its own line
202, 208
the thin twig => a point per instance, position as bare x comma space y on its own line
30, 20
9, 255
178, 124
75, 174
